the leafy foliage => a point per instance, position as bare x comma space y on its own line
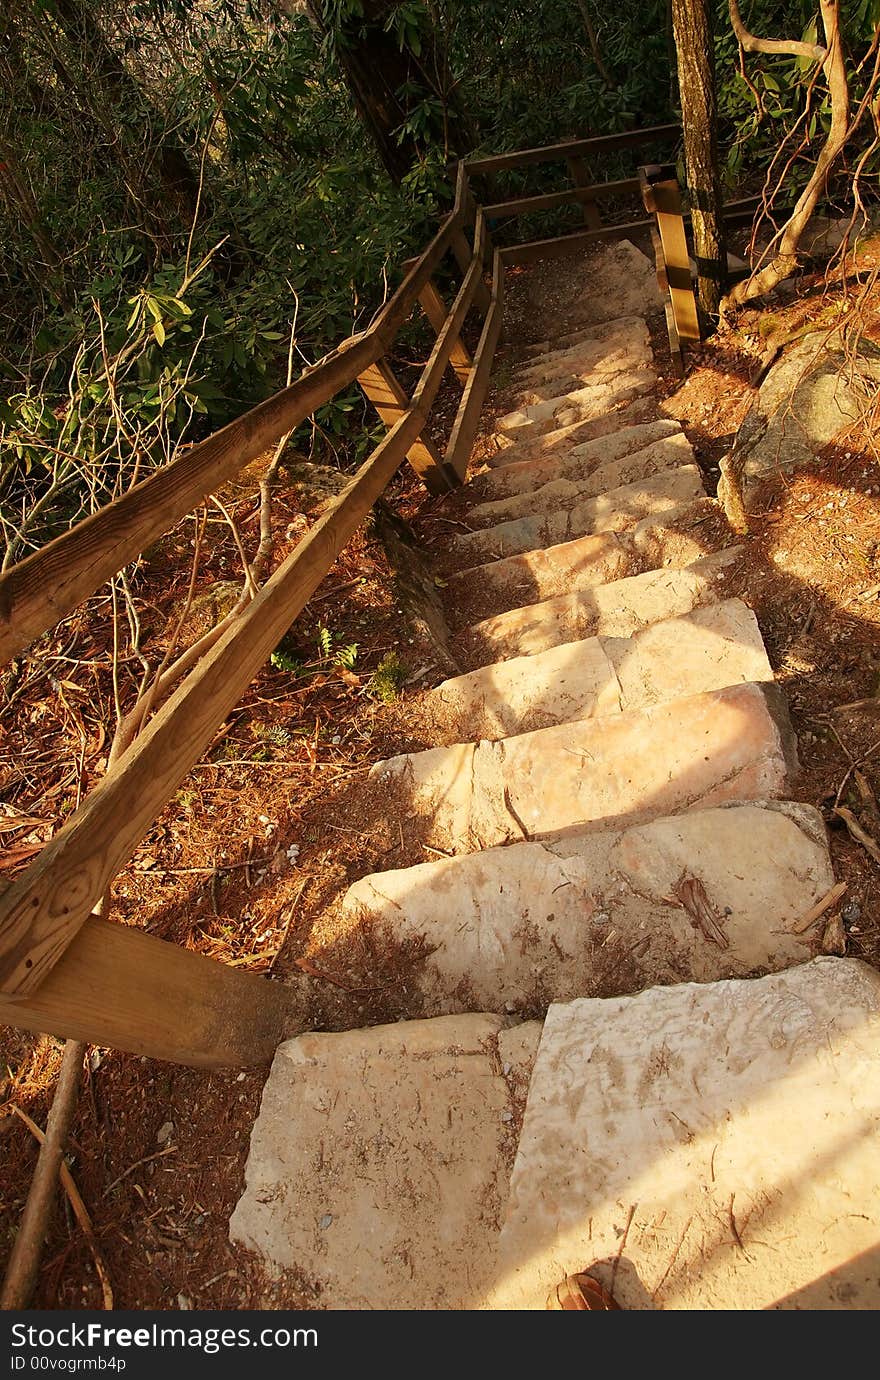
185, 186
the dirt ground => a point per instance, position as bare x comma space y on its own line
278, 819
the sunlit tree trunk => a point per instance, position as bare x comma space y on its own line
692, 28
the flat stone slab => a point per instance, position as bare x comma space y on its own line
702, 650
624, 347
534, 443
586, 350
718, 1142
619, 281
601, 914
563, 493
618, 510
677, 537
617, 609
576, 462
580, 403
379, 1163
723, 745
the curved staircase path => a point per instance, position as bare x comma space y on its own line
693, 1112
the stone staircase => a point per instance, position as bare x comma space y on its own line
693, 1116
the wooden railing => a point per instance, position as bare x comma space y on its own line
64, 971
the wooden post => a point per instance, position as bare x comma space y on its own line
463, 255
386, 393
580, 177
661, 195
119, 987
436, 310
461, 441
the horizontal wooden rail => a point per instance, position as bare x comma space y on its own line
461, 441
43, 911
119, 987
558, 245
526, 205
574, 148
568, 244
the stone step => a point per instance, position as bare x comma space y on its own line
588, 348
581, 403
534, 445
618, 510
573, 462
706, 1147
569, 487
703, 650
690, 753
617, 609
601, 914
541, 348
623, 351
678, 538
379, 1163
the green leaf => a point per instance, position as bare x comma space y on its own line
159, 332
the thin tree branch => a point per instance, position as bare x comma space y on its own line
790, 46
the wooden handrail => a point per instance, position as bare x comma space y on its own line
60, 969
41, 913
573, 148
525, 205
464, 430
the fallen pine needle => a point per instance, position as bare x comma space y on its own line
79, 1209
816, 911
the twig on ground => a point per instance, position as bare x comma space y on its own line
816, 911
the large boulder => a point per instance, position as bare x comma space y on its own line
816, 391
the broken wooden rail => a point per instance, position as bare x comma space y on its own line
62, 970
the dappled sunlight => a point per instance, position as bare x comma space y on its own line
719, 1141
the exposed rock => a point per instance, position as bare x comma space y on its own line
379, 1162
808, 398
416, 588
705, 1147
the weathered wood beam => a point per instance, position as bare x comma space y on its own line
387, 394
122, 988
461, 441
573, 148
44, 909
525, 205
436, 311
577, 170
42, 912
662, 196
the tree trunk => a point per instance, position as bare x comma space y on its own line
692, 26
176, 185
16, 192
593, 40
387, 83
